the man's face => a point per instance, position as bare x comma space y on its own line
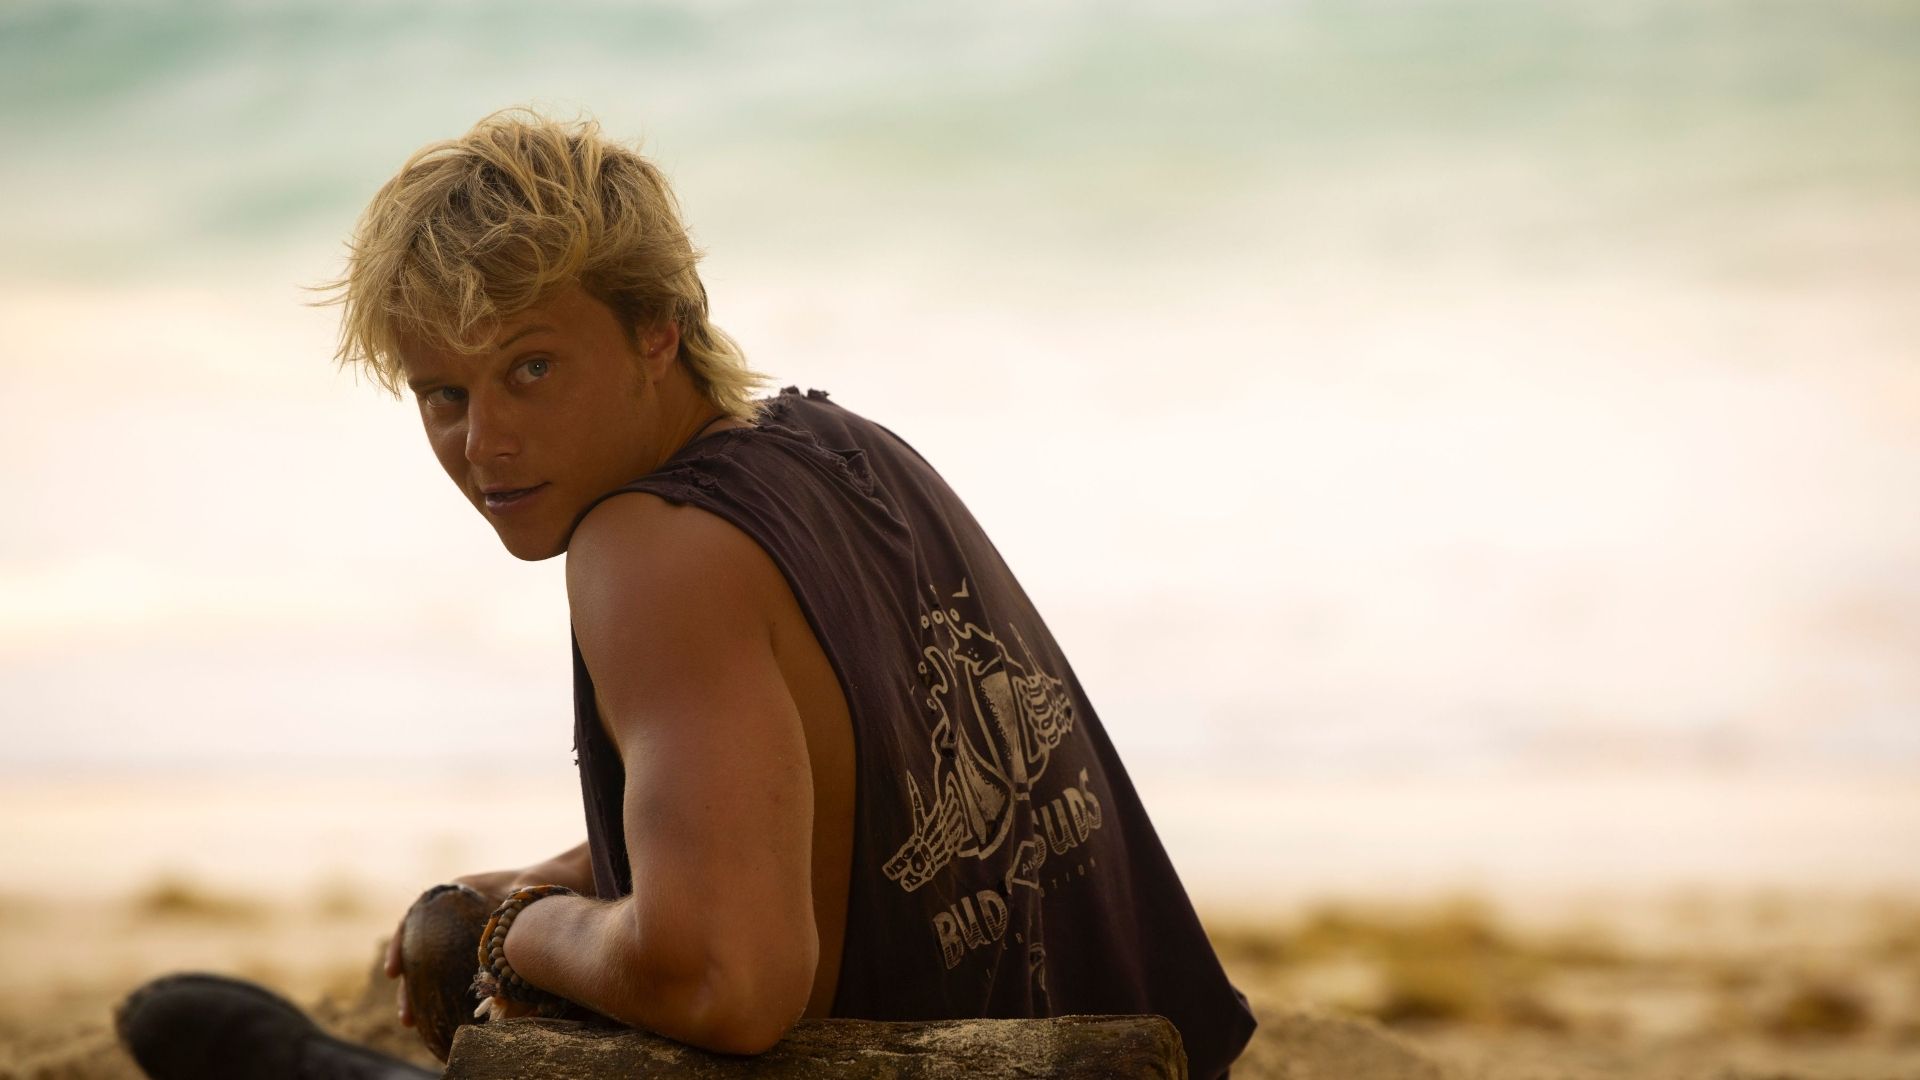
554, 413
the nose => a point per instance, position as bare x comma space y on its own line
492, 430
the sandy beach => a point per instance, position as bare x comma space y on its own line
1663, 962
1827, 987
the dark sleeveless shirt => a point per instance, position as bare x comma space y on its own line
1002, 864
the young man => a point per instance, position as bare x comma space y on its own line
832, 761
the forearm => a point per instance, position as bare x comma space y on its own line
587, 952
572, 868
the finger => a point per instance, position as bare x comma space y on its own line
392, 966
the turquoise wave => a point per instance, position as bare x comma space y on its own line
142, 134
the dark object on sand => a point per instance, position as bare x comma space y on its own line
1062, 1048
210, 1027
439, 952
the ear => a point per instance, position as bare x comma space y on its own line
659, 347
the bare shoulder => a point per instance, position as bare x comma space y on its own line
659, 589
637, 541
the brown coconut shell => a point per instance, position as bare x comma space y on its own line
439, 953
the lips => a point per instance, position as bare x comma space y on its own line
501, 499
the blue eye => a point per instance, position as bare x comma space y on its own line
536, 368
443, 395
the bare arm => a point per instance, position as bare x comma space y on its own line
572, 868
717, 944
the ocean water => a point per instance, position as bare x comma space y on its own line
152, 135
1479, 386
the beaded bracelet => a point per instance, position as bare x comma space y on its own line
496, 978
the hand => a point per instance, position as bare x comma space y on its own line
395, 971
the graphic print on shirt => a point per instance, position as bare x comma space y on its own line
995, 719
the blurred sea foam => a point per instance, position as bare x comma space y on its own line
1357, 386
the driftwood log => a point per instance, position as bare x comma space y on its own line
1067, 1048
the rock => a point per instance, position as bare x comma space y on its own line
1064, 1047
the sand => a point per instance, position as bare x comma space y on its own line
1715, 927
1771, 984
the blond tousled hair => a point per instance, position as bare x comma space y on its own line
474, 230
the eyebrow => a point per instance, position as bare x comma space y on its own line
523, 333
416, 384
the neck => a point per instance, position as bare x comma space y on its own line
713, 425
685, 414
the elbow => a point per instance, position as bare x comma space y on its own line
742, 1005
745, 1032
750, 1006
